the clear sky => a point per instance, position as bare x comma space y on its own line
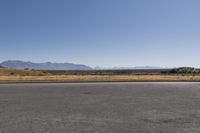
106, 33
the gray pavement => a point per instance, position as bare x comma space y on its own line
100, 108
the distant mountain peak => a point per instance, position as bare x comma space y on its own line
18, 64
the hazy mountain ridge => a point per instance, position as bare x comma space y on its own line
17, 64
127, 68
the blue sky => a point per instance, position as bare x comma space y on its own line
106, 33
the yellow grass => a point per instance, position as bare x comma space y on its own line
13, 75
85, 78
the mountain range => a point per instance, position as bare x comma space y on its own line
127, 68
17, 64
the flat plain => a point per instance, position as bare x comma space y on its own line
8, 75
145, 107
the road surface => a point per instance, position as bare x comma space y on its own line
100, 108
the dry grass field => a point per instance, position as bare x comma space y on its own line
15, 72
13, 75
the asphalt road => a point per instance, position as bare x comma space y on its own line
100, 108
